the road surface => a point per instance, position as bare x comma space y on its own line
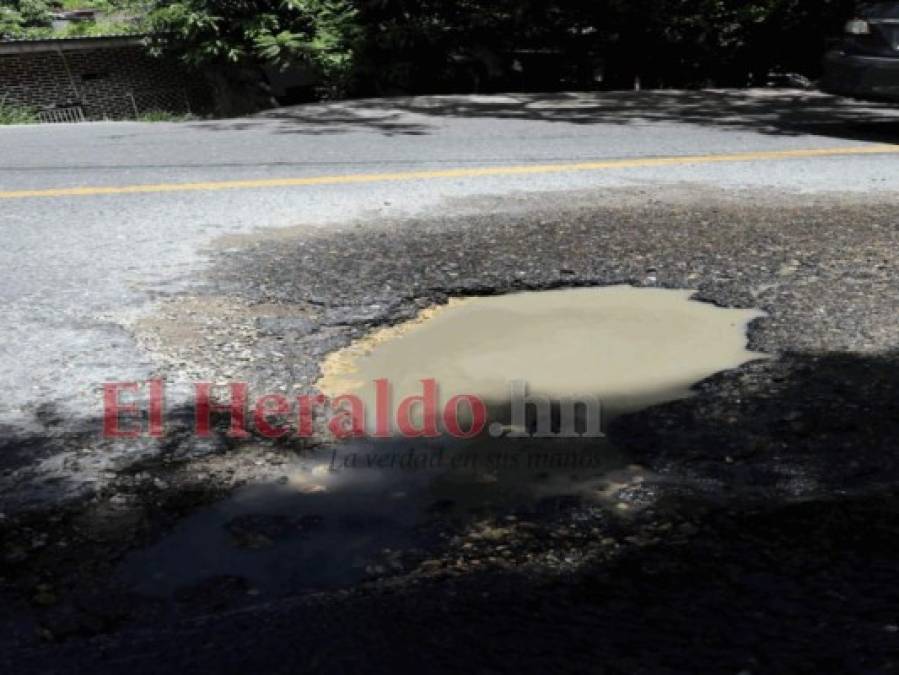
251, 248
73, 267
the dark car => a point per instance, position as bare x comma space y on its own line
866, 64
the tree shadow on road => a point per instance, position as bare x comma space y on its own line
323, 120
799, 426
776, 540
776, 112
698, 581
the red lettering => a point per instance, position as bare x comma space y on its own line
237, 410
112, 408
157, 408
275, 405
427, 403
306, 404
478, 416
382, 409
347, 423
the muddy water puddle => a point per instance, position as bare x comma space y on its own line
627, 347
353, 509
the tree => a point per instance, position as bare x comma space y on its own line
664, 42
232, 39
247, 33
386, 46
19, 17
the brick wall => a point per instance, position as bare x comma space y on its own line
108, 82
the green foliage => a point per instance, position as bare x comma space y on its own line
34, 12
664, 42
98, 28
19, 17
10, 22
14, 114
164, 116
273, 32
30, 19
381, 46
103, 5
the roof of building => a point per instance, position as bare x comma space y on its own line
70, 44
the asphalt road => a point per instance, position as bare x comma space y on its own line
281, 237
75, 269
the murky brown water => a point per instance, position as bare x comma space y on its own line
335, 514
628, 347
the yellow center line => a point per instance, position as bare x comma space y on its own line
527, 169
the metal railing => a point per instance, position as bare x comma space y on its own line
132, 105
67, 114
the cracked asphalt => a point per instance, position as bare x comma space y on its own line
757, 528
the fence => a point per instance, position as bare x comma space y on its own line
132, 105
138, 103
61, 115
172, 101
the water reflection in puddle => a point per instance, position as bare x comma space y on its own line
344, 514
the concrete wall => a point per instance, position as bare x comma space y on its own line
107, 80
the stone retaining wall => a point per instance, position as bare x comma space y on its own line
108, 80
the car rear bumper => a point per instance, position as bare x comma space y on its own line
875, 77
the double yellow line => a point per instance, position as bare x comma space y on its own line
521, 170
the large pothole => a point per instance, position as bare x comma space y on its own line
628, 348
334, 518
